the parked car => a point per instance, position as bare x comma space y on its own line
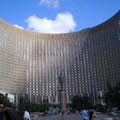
9, 114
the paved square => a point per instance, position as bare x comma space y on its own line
71, 117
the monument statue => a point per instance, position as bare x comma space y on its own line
61, 81
62, 93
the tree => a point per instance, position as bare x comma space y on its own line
32, 106
79, 102
100, 107
112, 96
23, 103
5, 101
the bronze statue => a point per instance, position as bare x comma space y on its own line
61, 81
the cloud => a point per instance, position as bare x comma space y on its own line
18, 26
63, 23
50, 3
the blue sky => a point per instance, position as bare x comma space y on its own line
57, 16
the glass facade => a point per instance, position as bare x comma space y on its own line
31, 62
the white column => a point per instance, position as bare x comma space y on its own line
56, 99
49, 100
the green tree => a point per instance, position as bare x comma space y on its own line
5, 101
112, 96
100, 107
79, 102
24, 103
32, 106
44, 106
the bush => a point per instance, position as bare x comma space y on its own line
32, 106
100, 108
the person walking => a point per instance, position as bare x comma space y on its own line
26, 115
62, 113
84, 114
92, 115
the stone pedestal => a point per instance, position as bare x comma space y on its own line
63, 101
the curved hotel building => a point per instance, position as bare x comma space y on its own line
31, 62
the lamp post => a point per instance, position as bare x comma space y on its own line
6, 98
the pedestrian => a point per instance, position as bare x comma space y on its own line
68, 112
92, 115
62, 113
49, 113
26, 115
84, 114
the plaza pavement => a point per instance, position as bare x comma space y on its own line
70, 117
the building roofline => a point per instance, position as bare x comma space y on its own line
34, 34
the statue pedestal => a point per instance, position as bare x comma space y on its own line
63, 101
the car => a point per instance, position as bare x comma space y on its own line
9, 114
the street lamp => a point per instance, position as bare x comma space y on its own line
6, 97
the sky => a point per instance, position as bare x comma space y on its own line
57, 16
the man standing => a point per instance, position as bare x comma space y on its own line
84, 115
26, 115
